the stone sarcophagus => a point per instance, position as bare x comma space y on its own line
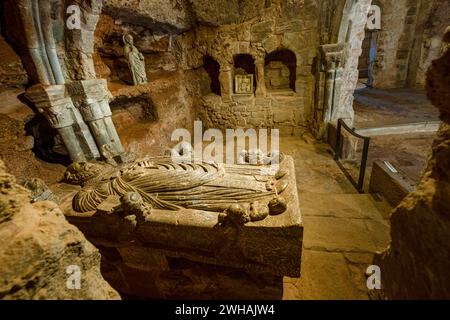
190, 230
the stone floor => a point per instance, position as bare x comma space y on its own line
343, 229
378, 108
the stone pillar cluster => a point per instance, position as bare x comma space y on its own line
68, 95
91, 97
333, 58
80, 112
332, 66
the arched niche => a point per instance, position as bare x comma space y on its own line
244, 64
212, 68
280, 70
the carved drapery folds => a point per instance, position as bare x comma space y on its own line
73, 101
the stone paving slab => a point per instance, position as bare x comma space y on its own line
344, 235
362, 206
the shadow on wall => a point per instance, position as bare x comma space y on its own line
280, 70
212, 67
48, 146
138, 109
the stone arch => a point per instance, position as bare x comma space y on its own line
212, 67
346, 21
351, 35
281, 64
245, 64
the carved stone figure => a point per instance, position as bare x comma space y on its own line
135, 61
244, 84
244, 194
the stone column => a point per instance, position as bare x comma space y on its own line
332, 60
226, 82
260, 80
91, 97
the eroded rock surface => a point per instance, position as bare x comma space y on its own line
12, 73
38, 246
161, 15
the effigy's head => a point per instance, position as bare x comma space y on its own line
79, 173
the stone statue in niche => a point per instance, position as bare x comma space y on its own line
243, 83
135, 59
239, 193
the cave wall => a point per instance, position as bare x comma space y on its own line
39, 247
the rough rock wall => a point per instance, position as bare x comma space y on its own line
12, 73
417, 263
16, 153
38, 245
226, 11
169, 106
163, 16
434, 25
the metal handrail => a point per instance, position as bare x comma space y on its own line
362, 169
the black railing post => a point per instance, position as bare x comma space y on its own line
337, 152
362, 170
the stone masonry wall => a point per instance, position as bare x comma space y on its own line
282, 25
410, 38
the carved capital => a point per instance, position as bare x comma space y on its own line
53, 103
333, 56
91, 97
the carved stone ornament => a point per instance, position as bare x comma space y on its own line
240, 193
243, 84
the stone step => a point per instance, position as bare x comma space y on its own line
419, 127
345, 223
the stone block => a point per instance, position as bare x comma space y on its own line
393, 186
283, 116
